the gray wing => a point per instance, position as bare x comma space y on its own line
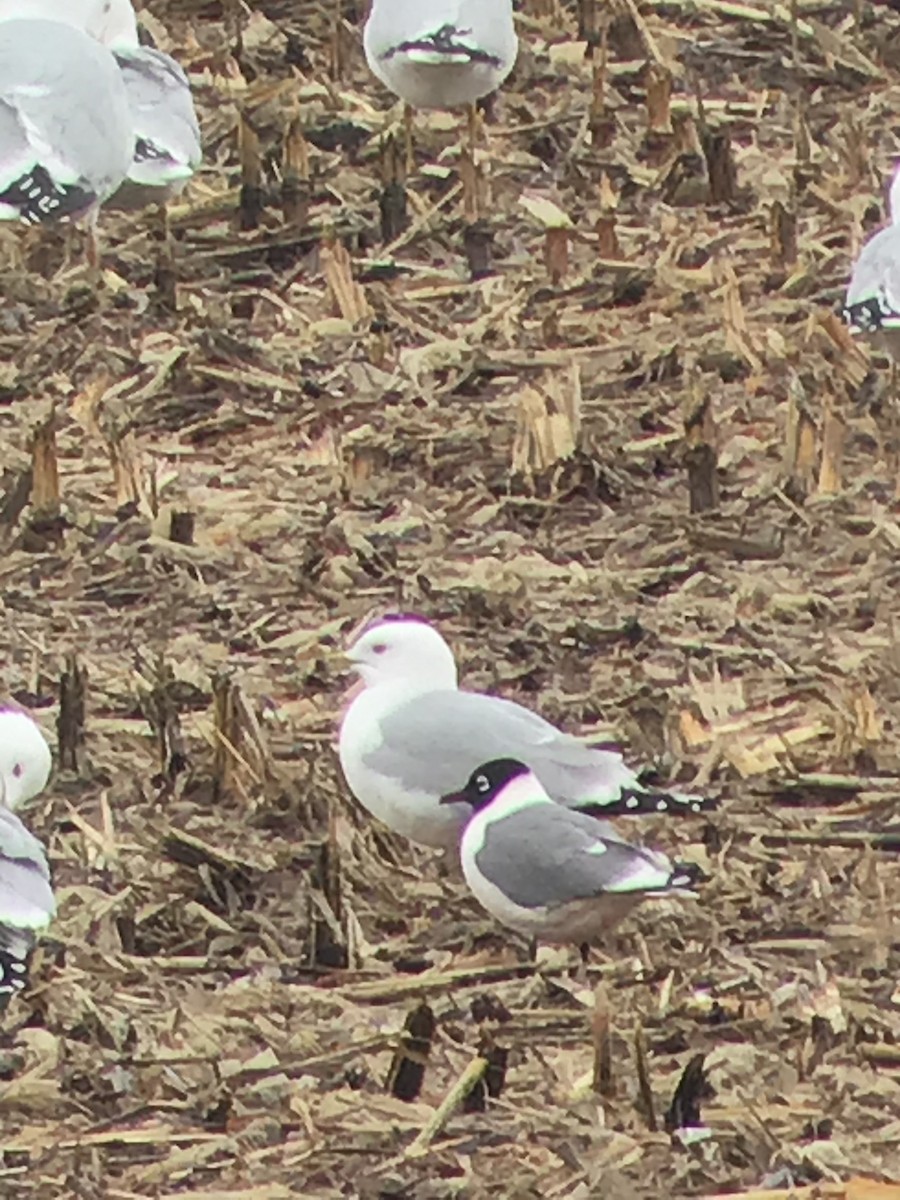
59, 150
27, 904
167, 135
875, 280
26, 896
434, 742
544, 856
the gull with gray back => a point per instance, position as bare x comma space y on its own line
872, 304
65, 128
167, 148
412, 735
27, 903
440, 53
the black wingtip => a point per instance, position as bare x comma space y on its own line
688, 875
867, 316
38, 197
632, 802
13, 974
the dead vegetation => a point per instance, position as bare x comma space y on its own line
582, 399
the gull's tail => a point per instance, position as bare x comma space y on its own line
448, 44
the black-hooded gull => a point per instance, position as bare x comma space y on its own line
65, 130
440, 53
27, 904
872, 305
411, 736
546, 871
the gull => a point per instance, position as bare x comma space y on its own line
872, 304
167, 148
411, 736
27, 903
65, 130
105, 20
440, 53
164, 123
546, 871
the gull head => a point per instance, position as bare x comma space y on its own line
403, 650
488, 781
24, 758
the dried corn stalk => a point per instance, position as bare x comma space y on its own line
548, 423
242, 757
348, 298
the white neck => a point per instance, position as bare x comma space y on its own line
522, 792
894, 197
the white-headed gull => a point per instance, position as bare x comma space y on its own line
27, 904
440, 53
65, 130
872, 305
411, 736
545, 870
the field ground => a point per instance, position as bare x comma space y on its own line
326, 427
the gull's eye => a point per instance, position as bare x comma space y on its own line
379, 648
17, 770
482, 783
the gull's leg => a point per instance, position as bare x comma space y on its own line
472, 126
580, 975
409, 148
92, 247
468, 167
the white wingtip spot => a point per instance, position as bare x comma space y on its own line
598, 848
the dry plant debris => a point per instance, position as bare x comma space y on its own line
612, 438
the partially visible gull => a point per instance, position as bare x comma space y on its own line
65, 130
167, 148
872, 306
109, 21
546, 871
411, 735
440, 53
164, 123
27, 904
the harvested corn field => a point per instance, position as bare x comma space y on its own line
571, 384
